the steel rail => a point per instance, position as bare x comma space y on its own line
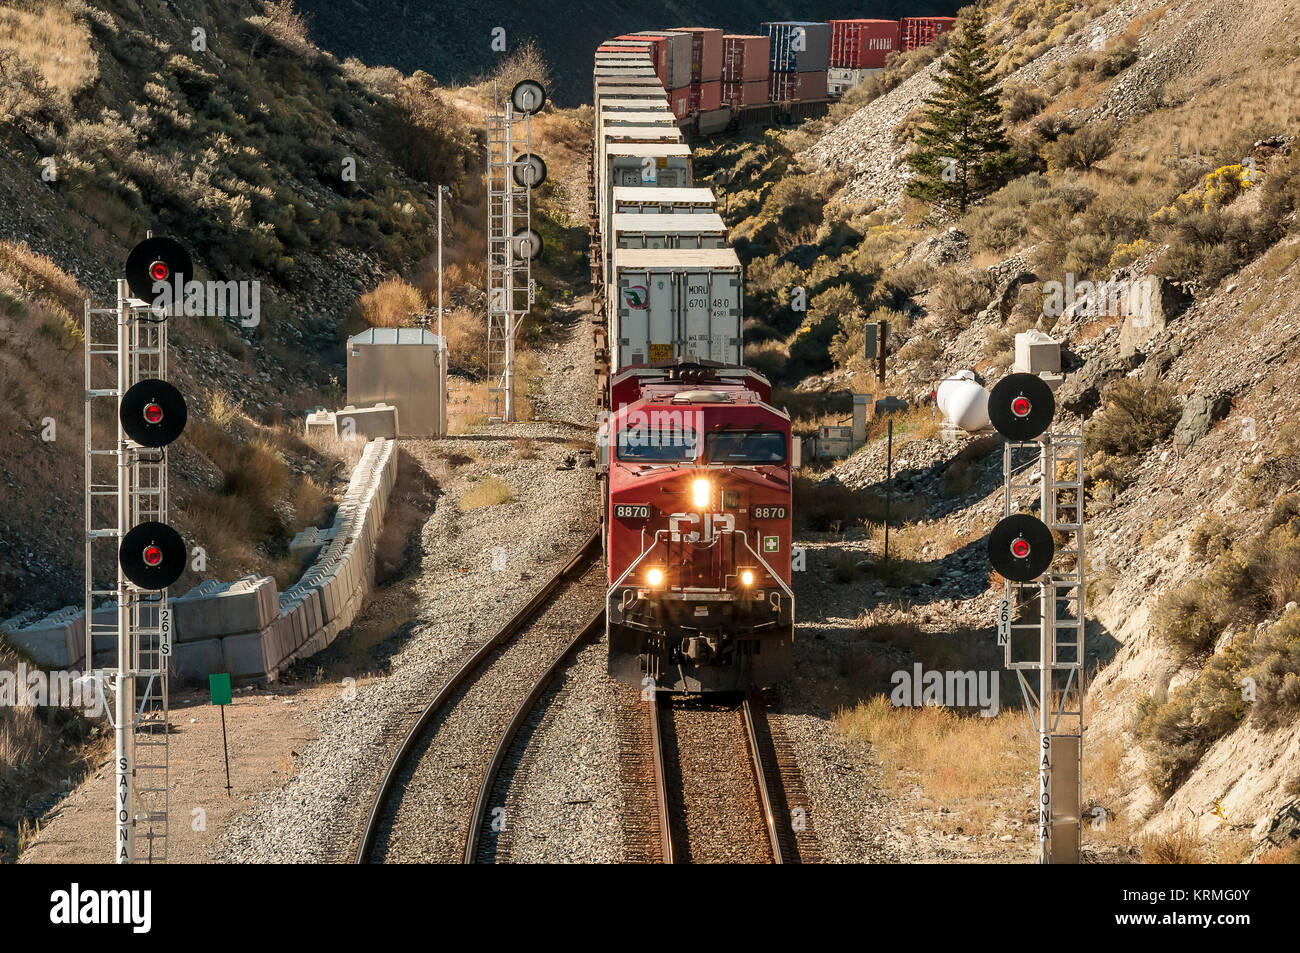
657, 709
505, 633
760, 782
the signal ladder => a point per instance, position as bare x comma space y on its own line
1053, 643
126, 484
509, 275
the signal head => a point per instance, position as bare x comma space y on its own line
1021, 406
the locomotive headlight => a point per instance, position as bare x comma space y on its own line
654, 576
747, 577
700, 493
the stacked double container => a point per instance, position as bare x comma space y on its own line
745, 69
676, 74
653, 47
799, 58
706, 68
922, 31
858, 49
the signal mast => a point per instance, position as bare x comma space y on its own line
1023, 549
131, 415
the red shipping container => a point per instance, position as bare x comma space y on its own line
679, 101
745, 59
706, 96
711, 95
752, 93
863, 44
797, 87
706, 53
922, 31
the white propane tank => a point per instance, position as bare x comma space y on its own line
964, 401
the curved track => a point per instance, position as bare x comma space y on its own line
388, 796
474, 841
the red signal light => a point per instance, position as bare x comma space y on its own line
159, 271
153, 413
1021, 407
153, 556
1020, 548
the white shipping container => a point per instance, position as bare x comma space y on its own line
656, 230
615, 118
645, 164
663, 201
839, 80
675, 303
630, 88
666, 132
634, 105
651, 230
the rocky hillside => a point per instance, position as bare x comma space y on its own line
221, 124
1155, 147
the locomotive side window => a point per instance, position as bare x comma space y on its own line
656, 445
745, 447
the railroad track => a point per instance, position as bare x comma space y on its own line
401, 776
716, 785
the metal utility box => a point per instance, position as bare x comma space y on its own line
676, 303
404, 367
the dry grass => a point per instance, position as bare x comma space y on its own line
333, 447
961, 763
487, 492
54, 43
1179, 846
392, 304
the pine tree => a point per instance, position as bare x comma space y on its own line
961, 150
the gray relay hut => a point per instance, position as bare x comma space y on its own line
405, 367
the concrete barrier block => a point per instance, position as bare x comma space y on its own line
195, 661
321, 422
1036, 353
47, 646
246, 605
245, 655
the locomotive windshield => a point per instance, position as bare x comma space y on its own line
656, 445
745, 447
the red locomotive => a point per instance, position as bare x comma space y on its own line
697, 528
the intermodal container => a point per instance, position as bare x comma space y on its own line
863, 44
675, 303
642, 230
706, 53
745, 58
753, 93
657, 47
677, 57
922, 31
706, 96
799, 46
679, 101
797, 87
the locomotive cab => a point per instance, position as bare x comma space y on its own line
698, 530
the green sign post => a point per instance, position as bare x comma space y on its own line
219, 688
